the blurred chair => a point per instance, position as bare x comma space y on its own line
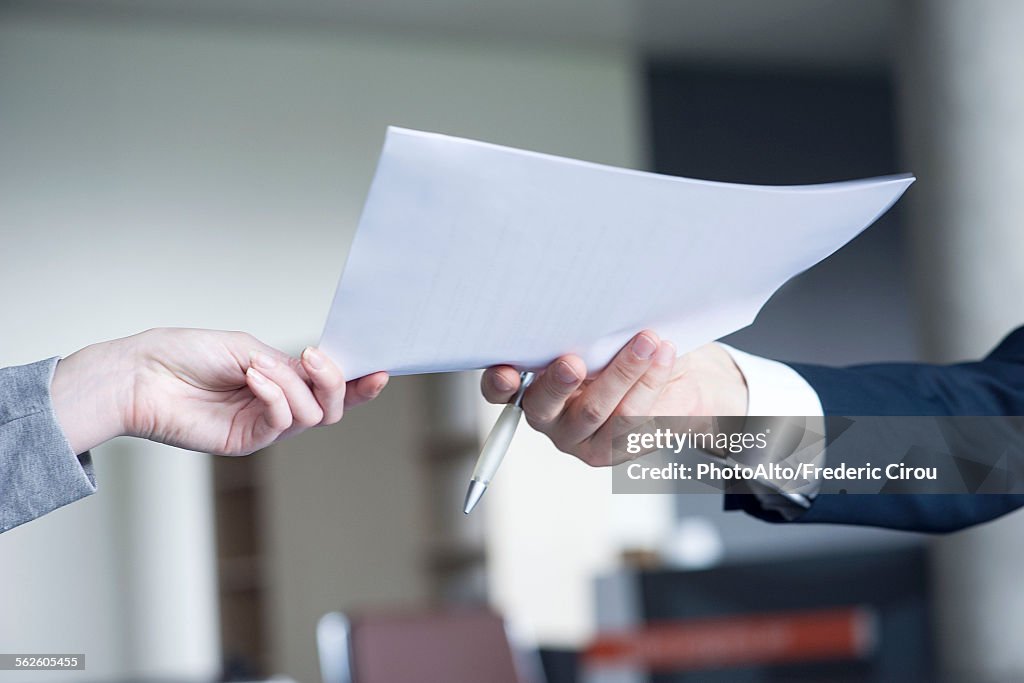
459, 646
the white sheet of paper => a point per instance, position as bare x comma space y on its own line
470, 254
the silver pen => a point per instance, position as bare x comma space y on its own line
496, 445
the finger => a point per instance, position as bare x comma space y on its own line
499, 383
243, 345
544, 401
328, 384
365, 389
595, 404
276, 416
640, 399
306, 412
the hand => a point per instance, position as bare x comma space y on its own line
645, 379
216, 392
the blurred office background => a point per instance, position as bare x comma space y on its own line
203, 163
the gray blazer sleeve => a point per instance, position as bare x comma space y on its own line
38, 470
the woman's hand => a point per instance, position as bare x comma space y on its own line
216, 392
645, 379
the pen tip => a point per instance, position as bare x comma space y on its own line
473, 495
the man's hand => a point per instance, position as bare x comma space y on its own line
645, 379
216, 392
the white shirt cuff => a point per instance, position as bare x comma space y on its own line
774, 388
777, 390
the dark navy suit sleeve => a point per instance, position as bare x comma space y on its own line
993, 386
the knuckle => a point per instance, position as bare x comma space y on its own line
651, 383
540, 419
591, 412
311, 419
557, 391
624, 371
628, 408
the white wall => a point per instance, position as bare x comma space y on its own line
346, 523
553, 527
170, 173
963, 125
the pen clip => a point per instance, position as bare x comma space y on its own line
525, 379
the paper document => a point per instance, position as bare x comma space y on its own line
470, 254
